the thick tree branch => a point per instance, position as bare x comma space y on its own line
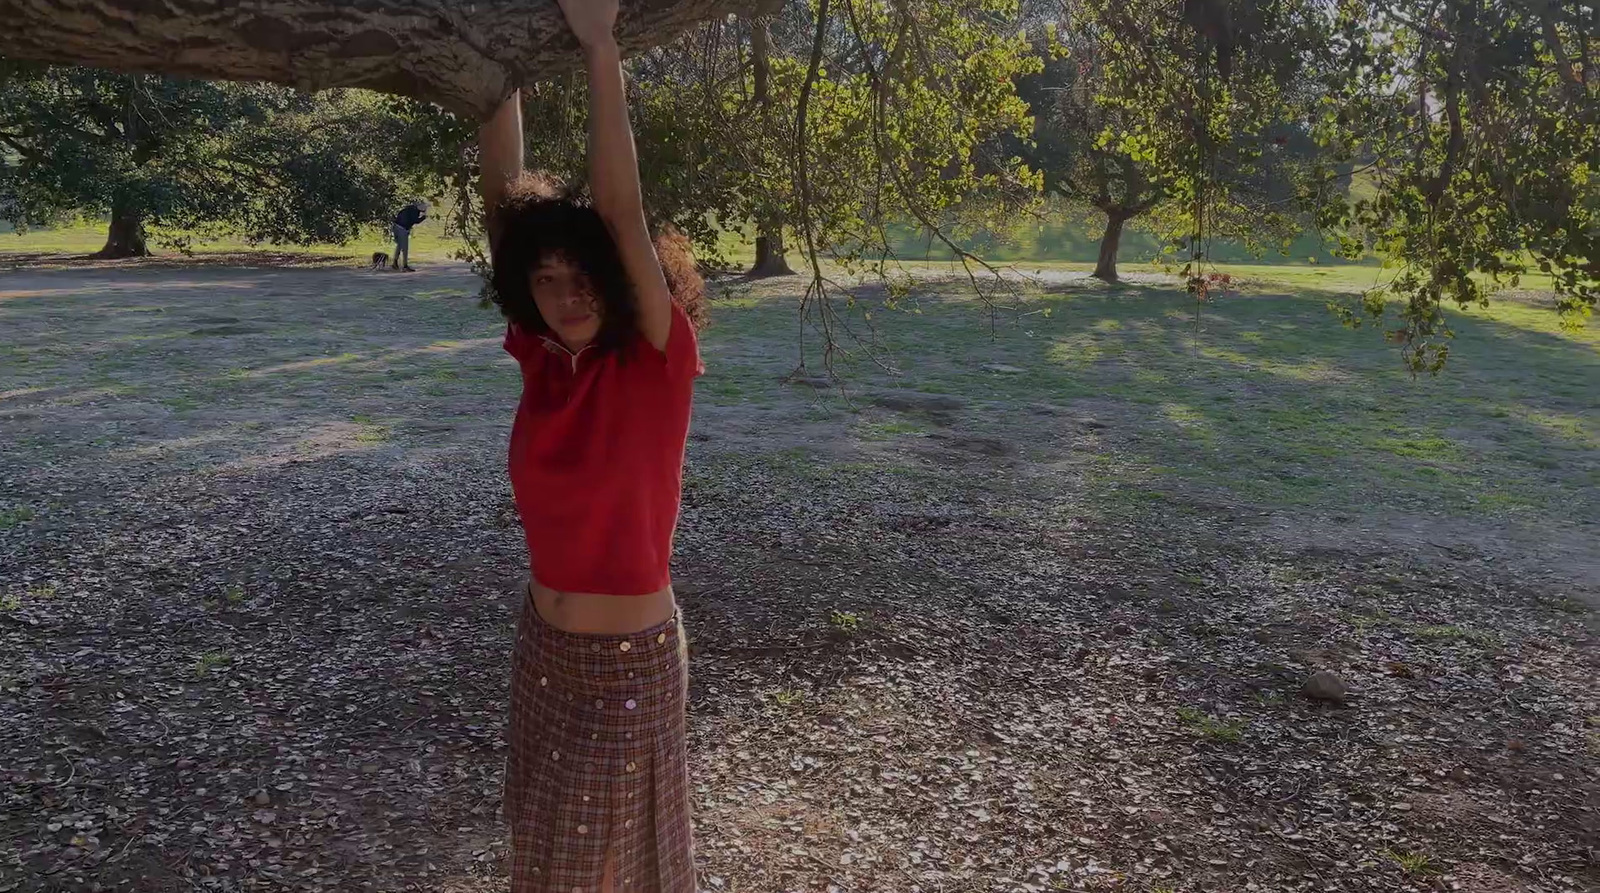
465, 55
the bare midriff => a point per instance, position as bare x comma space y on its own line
588, 612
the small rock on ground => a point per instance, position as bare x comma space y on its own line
1325, 685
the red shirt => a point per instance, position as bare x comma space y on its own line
597, 458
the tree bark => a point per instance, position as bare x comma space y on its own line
1106, 266
770, 260
125, 238
769, 232
465, 55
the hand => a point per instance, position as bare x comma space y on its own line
591, 21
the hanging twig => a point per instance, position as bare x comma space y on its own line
817, 289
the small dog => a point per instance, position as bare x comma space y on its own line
379, 260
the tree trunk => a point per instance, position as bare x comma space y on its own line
770, 260
769, 232
465, 55
125, 238
760, 66
1106, 266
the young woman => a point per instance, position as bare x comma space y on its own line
599, 318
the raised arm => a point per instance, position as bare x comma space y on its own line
614, 165
499, 156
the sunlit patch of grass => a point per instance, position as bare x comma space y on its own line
1204, 725
1500, 501
1259, 360
1191, 421
1581, 431
847, 622
788, 697
211, 660
1416, 864
1528, 317
1228, 355
1420, 446
370, 431
1077, 351
1153, 379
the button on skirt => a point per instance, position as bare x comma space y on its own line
597, 763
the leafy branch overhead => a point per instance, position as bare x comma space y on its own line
1458, 139
194, 157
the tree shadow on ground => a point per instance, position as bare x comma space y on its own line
1272, 404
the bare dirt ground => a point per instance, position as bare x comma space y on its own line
259, 563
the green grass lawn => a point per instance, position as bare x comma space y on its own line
1271, 403
428, 243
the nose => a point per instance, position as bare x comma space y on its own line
578, 299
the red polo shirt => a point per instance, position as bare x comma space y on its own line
597, 458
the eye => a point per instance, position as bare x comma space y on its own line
543, 279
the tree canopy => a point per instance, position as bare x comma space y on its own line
1459, 137
263, 162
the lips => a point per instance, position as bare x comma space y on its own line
580, 319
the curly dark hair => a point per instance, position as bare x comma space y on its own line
539, 219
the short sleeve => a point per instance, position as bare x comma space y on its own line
518, 343
683, 346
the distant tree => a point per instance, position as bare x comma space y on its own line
1477, 126
1168, 117
1471, 126
266, 163
770, 249
1074, 145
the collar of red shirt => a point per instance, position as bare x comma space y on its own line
555, 346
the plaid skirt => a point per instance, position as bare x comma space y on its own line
598, 764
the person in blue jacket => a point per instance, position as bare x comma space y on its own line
409, 216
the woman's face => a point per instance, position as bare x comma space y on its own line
566, 300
